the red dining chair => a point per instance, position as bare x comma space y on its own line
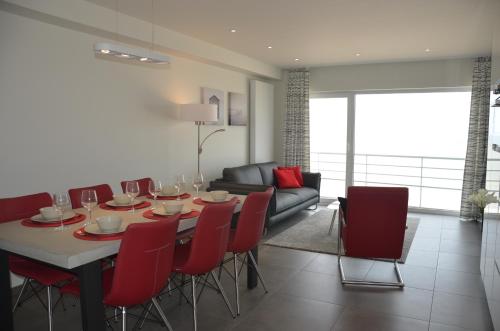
207, 248
142, 268
375, 228
104, 194
16, 208
247, 234
143, 185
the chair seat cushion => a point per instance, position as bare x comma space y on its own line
304, 193
44, 274
285, 200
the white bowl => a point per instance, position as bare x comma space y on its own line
121, 199
173, 207
168, 190
109, 223
219, 195
49, 213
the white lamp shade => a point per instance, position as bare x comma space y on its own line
197, 112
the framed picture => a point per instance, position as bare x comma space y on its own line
238, 109
214, 97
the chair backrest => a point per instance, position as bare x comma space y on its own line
210, 239
143, 185
144, 262
104, 193
376, 221
251, 221
16, 208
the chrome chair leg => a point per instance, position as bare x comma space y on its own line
49, 305
193, 287
124, 319
219, 285
162, 314
236, 282
346, 281
25, 283
258, 271
148, 308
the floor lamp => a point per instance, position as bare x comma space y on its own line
199, 114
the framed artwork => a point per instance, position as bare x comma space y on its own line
214, 97
238, 109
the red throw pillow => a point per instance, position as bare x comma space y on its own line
298, 173
286, 178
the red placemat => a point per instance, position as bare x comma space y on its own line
140, 205
200, 202
149, 214
33, 224
170, 197
81, 234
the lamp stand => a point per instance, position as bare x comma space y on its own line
200, 144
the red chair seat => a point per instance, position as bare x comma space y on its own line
43, 274
181, 256
73, 288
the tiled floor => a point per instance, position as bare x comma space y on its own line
443, 291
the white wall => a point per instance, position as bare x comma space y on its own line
261, 122
69, 119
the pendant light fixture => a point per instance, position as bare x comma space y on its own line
132, 53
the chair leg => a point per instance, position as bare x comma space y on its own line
333, 221
258, 271
148, 308
124, 319
49, 305
346, 281
226, 300
25, 283
162, 314
193, 287
236, 282
183, 279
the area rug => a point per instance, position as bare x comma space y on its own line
311, 234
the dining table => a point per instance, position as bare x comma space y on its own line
64, 250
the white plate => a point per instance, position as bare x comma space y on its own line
40, 219
94, 229
171, 195
162, 212
112, 203
208, 198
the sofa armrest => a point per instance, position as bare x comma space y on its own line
235, 188
312, 180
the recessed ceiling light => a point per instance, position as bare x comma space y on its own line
105, 51
233, 30
427, 50
143, 59
124, 55
358, 54
269, 47
297, 59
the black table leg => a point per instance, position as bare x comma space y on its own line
251, 273
92, 308
6, 320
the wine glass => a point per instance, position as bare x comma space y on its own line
180, 185
198, 182
89, 201
61, 203
155, 187
132, 190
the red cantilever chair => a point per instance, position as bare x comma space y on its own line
248, 233
207, 248
12, 209
142, 268
374, 227
104, 193
143, 185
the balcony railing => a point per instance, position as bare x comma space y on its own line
433, 182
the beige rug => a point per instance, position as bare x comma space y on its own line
312, 235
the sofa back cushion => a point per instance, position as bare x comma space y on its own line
247, 174
266, 171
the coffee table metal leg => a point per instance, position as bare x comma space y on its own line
92, 308
251, 273
6, 319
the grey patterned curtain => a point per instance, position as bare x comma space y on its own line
477, 143
296, 129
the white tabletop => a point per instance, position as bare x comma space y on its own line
62, 249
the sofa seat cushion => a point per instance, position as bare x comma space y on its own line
248, 174
304, 193
286, 200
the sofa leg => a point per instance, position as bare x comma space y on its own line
315, 207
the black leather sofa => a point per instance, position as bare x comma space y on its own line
258, 177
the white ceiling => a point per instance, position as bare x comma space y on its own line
327, 32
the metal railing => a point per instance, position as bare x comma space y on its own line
427, 177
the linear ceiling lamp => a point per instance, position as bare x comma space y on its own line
132, 53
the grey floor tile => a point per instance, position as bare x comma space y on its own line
462, 234
426, 244
355, 320
283, 257
460, 247
459, 283
462, 311
422, 258
428, 232
327, 264
443, 327
413, 276
458, 262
